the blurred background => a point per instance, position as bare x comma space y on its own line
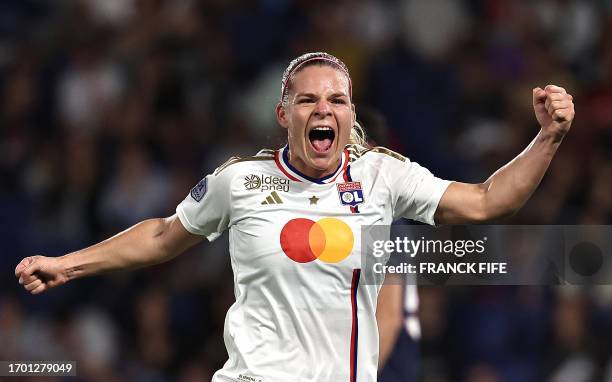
110, 111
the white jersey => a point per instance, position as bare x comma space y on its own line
300, 312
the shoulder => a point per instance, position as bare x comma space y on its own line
378, 154
235, 165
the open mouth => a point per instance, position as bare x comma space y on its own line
321, 138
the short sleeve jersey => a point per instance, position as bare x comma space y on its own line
301, 313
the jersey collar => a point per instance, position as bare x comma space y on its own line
281, 157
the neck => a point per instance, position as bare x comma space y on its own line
310, 171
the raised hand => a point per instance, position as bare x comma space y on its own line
39, 273
554, 110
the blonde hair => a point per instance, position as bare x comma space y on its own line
358, 135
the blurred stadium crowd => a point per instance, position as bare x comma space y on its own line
110, 111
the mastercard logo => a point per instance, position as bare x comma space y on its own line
329, 240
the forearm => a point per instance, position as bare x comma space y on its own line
136, 247
509, 188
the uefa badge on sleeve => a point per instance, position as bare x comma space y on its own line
198, 192
350, 193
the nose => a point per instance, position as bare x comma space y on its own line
322, 108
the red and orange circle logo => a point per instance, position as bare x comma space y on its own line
329, 240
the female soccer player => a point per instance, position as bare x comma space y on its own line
294, 217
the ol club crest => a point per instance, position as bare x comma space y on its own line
350, 193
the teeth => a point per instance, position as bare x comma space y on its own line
322, 128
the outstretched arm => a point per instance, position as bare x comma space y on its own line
510, 187
149, 242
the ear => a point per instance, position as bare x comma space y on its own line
354, 114
281, 116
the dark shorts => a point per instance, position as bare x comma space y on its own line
402, 365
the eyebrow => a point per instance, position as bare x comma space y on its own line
337, 94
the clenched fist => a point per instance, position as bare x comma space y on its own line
39, 273
554, 110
